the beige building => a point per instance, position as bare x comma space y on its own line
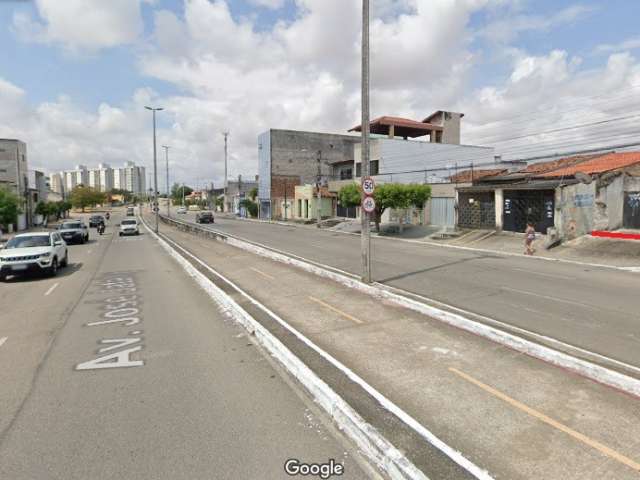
305, 202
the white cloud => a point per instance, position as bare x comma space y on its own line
271, 4
304, 74
82, 25
628, 44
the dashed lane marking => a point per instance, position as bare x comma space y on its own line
334, 309
609, 452
51, 289
262, 273
547, 297
2, 340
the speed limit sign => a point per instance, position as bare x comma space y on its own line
368, 204
368, 186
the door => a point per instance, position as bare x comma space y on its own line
631, 211
441, 211
523, 206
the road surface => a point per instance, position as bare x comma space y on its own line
121, 367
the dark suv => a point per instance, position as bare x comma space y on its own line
204, 217
74, 231
95, 220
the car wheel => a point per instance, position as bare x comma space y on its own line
137, 232
3, 277
53, 269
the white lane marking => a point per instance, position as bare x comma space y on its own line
88, 251
2, 340
262, 273
562, 277
53, 287
547, 297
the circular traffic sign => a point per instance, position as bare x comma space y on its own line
368, 186
368, 204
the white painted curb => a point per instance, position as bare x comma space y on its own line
368, 439
582, 367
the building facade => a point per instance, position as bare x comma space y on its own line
296, 158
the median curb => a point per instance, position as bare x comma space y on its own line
370, 442
581, 367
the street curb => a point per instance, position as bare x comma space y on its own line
370, 442
581, 367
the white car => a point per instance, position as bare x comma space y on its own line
42, 252
181, 210
129, 226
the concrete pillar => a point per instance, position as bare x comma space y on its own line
499, 200
432, 136
392, 131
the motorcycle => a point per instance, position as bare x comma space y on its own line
107, 216
101, 228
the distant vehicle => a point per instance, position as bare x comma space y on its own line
130, 212
205, 217
194, 208
95, 220
41, 252
181, 210
74, 231
129, 226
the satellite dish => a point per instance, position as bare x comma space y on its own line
583, 178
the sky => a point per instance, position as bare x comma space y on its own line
531, 76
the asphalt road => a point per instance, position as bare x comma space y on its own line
122, 367
591, 308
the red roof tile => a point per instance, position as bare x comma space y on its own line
467, 176
600, 164
542, 167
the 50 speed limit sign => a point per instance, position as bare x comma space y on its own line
368, 204
368, 186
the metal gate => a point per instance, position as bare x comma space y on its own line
347, 212
523, 206
441, 211
477, 210
631, 213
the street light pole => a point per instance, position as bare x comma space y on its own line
155, 165
166, 154
319, 184
365, 235
224, 203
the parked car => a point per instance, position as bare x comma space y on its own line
95, 220
204, 217
130, 212
194, 208
181, 211
41, 252
129, 226
74, 231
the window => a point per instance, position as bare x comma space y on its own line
346, 174
373, 168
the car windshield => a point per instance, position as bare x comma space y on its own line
28, 241
70, 225
129, 222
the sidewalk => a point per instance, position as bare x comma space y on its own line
510, 414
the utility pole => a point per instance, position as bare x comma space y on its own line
285, 199
166, 154
155, 166
183, 194
224, 196
319, 184
365, 235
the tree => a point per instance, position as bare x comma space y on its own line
82, 197
399, 197
350, 195
177, 193
126, 194
251, 207
253, 193
9, 207
220, 203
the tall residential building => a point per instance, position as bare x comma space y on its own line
14, 166
101, 178
56, 183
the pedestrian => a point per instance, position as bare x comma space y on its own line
529, 237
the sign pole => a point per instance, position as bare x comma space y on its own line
365, 235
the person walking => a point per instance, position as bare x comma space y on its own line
529, 237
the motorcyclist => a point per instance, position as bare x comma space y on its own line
101, 227
107, 215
